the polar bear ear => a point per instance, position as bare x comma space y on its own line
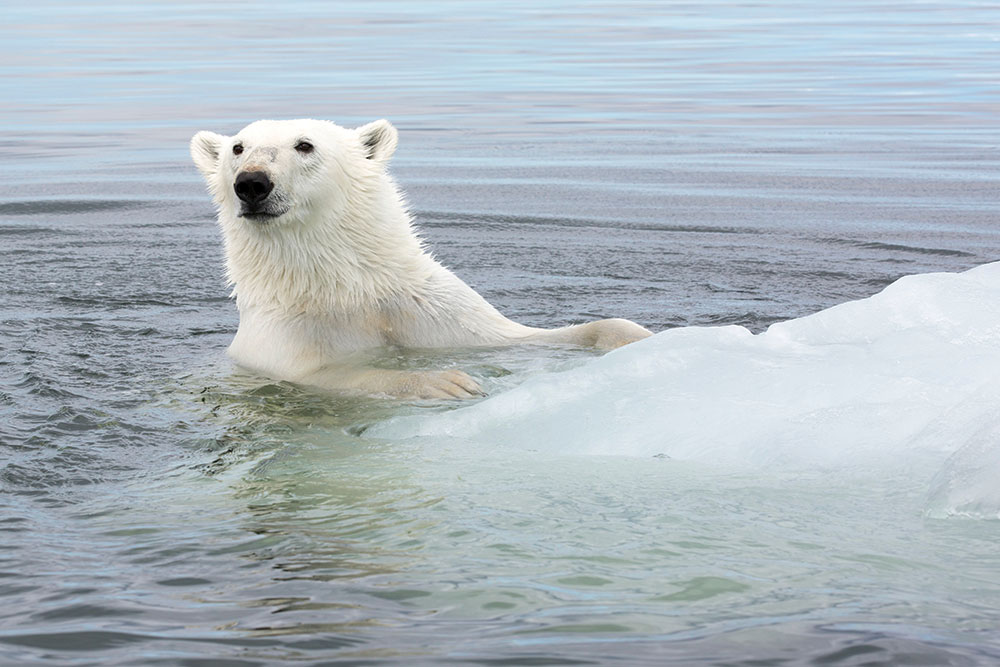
205, 147
378, 139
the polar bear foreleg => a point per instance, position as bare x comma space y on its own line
601, 335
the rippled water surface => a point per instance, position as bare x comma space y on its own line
674, 163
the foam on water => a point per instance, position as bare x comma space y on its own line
898, 381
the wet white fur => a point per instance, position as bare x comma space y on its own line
343, 270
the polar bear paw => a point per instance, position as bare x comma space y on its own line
443, 384
610, 334
397, 384
430, 385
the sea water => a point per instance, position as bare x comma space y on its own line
800, 469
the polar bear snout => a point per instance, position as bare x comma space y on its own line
253, 187
259, 200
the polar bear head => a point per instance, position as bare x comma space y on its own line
284, 172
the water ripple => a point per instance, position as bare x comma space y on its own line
63, 207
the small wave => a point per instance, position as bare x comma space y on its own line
431, 218
41, 386
68, 206
211, 331
93, 640
26, 230
111, 302
899, 247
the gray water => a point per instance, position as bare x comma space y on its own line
676, 164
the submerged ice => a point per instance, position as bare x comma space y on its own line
906, 379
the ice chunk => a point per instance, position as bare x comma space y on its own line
908, 373
969, 483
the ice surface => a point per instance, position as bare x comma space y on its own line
969, 483
910, 375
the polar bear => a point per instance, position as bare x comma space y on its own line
325, 263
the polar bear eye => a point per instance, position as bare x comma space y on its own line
237, 149
304, 147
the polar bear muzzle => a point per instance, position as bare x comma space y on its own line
253, 188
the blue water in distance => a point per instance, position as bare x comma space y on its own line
673, 163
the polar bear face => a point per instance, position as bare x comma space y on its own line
282, 172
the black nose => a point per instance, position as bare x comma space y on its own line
253, 187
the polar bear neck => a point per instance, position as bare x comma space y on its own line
354, 262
